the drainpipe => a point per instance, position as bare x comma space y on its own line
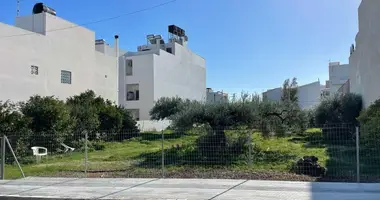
116, 46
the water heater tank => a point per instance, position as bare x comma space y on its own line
40, 8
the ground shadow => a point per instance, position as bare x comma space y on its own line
189, 156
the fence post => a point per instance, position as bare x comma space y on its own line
357, 155
2, 167
85, 153
250, 149
162, 155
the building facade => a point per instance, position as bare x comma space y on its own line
338, 76
157, 70
364, 57
216, 96
40, 55
309, 95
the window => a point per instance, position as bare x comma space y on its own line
133, 92
65, 77
34, 70
129, 68
169, 50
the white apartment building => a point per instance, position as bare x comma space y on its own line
308, 95
160, 69
364, 58
338, 76
46, 55
216, 96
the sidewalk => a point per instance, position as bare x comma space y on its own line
136, 189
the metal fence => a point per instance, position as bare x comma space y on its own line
329, 153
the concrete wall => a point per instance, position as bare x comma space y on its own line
71, 49
365, 61
149, 125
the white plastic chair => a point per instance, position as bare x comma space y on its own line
38, 153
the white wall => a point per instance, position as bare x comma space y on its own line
150, 125
182, 75
70, 49
273, 94
338, 75
365, 61
309, 95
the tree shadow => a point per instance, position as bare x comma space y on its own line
310, 140
189, 156
341, 152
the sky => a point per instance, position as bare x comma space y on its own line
249, 45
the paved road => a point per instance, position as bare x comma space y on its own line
181, 189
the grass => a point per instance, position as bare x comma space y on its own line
142, 155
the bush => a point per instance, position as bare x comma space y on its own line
339, 109
370, 126
98, 145
213, 152
50, 121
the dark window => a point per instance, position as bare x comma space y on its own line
34, 70
137, 94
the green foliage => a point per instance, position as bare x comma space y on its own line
11, 120
50, 120
85, 108
339, 109
166, 107
370, 126
289, 91
94, 114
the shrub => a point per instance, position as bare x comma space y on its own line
370, 126
50, 121
98, 145
339, 109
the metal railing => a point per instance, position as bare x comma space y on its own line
329, 153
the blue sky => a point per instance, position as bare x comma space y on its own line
249, 45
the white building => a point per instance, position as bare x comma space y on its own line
364, 58
308, 95
338, 76
216, 96
43, 54
160, 69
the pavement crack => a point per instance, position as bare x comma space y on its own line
237, 185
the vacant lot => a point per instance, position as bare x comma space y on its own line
142, 156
